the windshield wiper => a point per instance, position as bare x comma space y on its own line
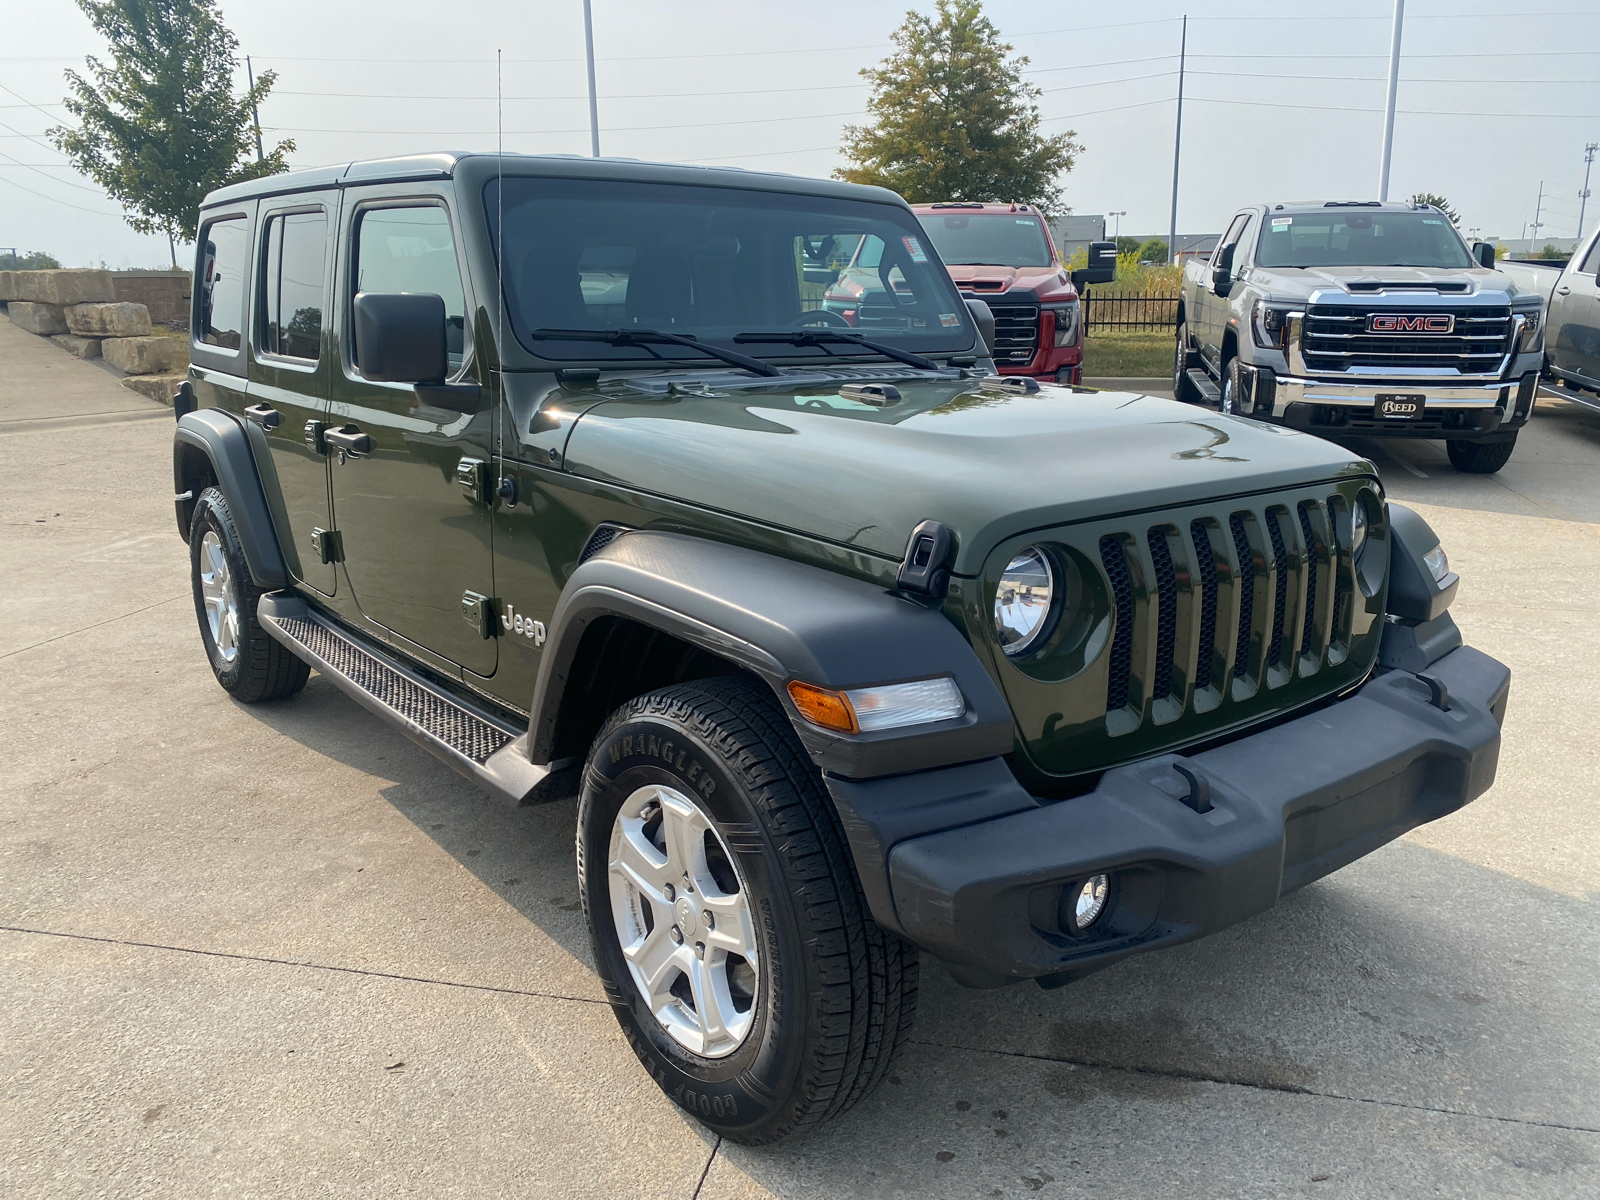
649, 337
823, 337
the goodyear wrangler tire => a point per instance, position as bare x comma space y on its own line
247, 662
726, 919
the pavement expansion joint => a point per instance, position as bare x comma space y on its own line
305, 964
706, 1170
95, 625
78, 420
1253, 1084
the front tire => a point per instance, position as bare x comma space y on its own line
1480, 458
249, 664
1232, 387
726, 920
1182, 386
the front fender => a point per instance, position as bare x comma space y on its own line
222, 440
780, 620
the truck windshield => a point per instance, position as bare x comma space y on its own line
711, 263
1378, 239
988, 240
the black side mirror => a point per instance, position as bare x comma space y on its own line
1484, 253
400, 337
1222, 270
983, 318
1102, 266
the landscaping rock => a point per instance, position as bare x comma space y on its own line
78, 347
63, 287
155, 387
138, 355
43, 319
6, 284
109, 320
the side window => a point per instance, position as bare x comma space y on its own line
1591, 261
1234, 231
220, 301
293, 284
1241, 256
411, 250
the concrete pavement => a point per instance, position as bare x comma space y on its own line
280, 951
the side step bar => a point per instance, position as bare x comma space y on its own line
1562, 392
1201, 382
488, 751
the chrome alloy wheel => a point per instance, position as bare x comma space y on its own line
682, 916
220, 595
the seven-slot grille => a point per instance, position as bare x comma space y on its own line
1335, 337
1016, 333
1228, 603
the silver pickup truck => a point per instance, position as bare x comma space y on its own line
1361, 318
1572, 296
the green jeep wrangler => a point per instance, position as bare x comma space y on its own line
849, 647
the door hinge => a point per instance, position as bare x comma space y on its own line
473, 476
314, 430
329, 545
482, 613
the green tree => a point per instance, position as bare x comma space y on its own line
1128, 245
160, 126
1155, 250
33, 260
953, 119
1550, 251
1438, 202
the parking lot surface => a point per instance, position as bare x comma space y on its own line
280, 951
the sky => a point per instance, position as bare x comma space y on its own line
1287, 105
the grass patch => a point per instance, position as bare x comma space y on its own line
1128, 354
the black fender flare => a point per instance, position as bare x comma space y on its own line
780, 620
224, 443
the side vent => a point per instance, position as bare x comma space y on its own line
1206, 572
604, 534
1308, 636
1114, 558
1280, 600
1246, 585
1166, 610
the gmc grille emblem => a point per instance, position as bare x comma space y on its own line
1408, 323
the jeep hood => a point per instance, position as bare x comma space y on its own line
1297, 283
989, 465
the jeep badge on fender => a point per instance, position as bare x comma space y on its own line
843, 648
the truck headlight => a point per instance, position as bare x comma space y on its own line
1532, 329
1269, 324
1066, 322
1024, 601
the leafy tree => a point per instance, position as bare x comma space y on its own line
33, 260
1128, 245
160, 126
1438, 202
953, 119
1155, 250
1550, 251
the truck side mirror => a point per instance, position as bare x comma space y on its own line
400, 337
1222, 271
983, 317
1484, 253
1102, 266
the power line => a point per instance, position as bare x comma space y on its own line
99, 212
585, 129
1410, 112
1381, 79
81, 187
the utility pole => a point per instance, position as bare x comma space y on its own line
1394, 87
594, 104
1538, 211
1583, 204
1118, 216
250, 74
1177, 144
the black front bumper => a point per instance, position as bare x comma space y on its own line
1289, 805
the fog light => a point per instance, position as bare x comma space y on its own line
1089, 901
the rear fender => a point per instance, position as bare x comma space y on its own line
221, 440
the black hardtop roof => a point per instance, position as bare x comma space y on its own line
449, 164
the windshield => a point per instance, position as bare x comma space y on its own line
713, 264
988, 240
1376, 239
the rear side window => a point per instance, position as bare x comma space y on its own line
293, 285
1591, 261
225, 249
411, 250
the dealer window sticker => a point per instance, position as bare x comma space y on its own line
949, 319
914, 248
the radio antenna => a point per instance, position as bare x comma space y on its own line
500, 269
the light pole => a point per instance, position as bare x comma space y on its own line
1583, 204
1118, 216
1177, 145
1394, 86
1538, 211
594, 106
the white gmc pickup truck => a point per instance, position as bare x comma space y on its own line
1361, 318
1572, 296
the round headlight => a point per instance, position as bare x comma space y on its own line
1023, 602
1358, 529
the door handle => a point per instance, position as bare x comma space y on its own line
347, 439
1563, 291
264, 415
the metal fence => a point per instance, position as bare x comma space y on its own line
1129, 313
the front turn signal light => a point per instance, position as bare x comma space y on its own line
868, 709
823, 707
